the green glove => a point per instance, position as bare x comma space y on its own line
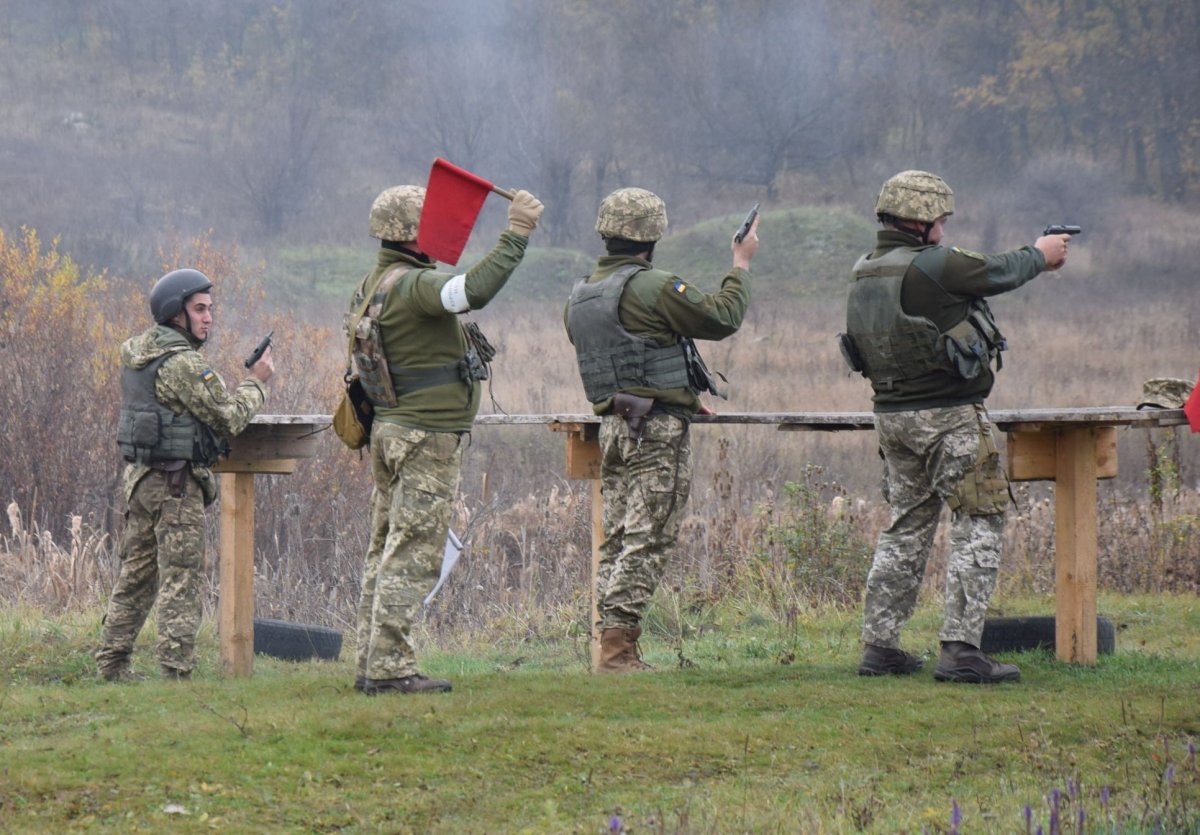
524, 212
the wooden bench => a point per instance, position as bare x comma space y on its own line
1071, 447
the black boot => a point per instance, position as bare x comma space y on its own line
963, 662
416, 683
885, 661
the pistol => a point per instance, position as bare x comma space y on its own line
256, 355
1061, 229
744, 229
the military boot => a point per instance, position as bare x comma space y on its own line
963, 662
619, 650
174, 673
121, 672
416, 683
884, 661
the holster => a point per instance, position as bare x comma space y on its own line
175, 476
633, 410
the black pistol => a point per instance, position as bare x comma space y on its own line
256, 355
744, 230
1061, 229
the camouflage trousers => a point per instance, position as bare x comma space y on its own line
415, 474
932, 457
162, 555
645, 488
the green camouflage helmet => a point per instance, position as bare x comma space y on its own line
633, 214
1165, 393
396, 213
915, 195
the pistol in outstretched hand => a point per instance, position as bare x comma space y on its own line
1062, 229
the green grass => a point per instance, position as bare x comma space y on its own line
766, 729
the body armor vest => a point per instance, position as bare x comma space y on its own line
149, 433
611, 358
382, 384
891, 345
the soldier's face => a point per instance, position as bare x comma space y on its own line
937, 230
199, 318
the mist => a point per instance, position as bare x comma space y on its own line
127, 123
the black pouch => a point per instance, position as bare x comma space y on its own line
633, 410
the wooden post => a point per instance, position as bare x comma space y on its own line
270, 444
236, 608
583, 462
1075, 545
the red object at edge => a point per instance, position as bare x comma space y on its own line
1192, 408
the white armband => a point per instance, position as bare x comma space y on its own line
454, 295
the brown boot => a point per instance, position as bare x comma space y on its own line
964, 662
619, 650
883, 661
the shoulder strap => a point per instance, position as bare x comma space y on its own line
376, 295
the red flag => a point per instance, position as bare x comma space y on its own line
1192, 408
453, 199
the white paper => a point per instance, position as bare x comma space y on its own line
449, 558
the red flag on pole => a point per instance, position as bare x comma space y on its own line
1192, 408
453, 198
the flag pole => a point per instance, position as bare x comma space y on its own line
506, 194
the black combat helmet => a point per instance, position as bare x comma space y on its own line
172, 290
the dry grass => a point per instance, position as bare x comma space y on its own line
1083, 337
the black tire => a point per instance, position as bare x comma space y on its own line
296, 641
1020, 634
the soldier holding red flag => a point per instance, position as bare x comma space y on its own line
421, 370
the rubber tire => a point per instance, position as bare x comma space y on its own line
296, 641
1025, 633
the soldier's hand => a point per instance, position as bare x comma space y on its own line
743, 252
523, 213
264, 368
1054, 247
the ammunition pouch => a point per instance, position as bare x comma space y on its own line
633, 410
850, 353
984, 491
700, 379
974, 342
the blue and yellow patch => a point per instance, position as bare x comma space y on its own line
208, 375
680, 286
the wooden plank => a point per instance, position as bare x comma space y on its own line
275, 466
235, 622
583, 455
275, 441
1032, 456
1075, 546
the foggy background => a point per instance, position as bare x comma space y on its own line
127, 123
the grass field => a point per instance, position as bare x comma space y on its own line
748, 726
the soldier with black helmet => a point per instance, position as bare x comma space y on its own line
176, 415
421, 370
919, 328
632, 326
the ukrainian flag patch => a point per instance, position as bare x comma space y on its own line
207, 375
679, 286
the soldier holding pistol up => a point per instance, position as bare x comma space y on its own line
919, 328
632, 326
175, 416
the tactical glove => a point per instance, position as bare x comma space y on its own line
524, 212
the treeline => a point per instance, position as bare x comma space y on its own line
272, 123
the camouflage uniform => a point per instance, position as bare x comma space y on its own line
934, 435
646, 485
162, 551
929, 455
416, 445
